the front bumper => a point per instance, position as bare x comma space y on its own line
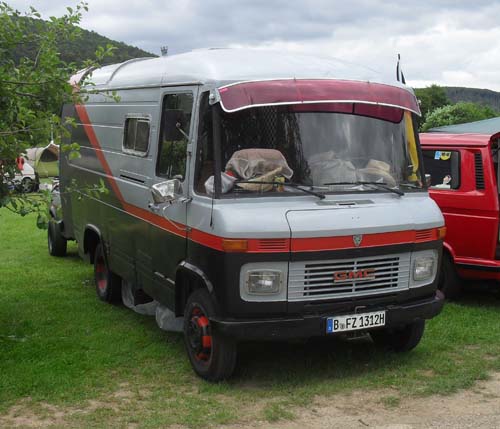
315, 325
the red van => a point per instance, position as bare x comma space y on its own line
464, 183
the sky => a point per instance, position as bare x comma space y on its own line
447, 42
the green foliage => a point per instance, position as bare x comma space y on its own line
458, 114
430, 98
33, 87
79, 49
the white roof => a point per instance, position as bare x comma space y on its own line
222, 66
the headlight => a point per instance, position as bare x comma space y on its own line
264, 281
423, 267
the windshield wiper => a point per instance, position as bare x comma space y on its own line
410, 185
290, 185
380, 185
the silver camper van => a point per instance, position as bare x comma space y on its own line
256, 195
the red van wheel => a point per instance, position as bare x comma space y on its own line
107, 283
212, 355
449, 282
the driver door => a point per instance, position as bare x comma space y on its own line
168, 234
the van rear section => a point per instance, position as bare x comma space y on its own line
245, 205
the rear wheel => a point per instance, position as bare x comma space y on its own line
402, 339
107, 284
212, 355
449, 282
56, 243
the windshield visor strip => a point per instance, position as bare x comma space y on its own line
306, 91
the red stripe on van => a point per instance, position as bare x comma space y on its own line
346, 241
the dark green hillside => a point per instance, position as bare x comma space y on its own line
82, 48
474, 95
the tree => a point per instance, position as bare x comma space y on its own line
431, 98
32, 90
458, 114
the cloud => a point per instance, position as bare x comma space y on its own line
445, 42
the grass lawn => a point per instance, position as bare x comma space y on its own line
69, 358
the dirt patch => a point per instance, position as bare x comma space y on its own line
477, 408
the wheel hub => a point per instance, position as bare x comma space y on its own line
199, 337
101, 276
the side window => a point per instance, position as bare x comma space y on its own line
444, 168
174, 135
136, 136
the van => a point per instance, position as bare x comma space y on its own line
464, 183
255, 195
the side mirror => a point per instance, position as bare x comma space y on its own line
167, 191
428, 180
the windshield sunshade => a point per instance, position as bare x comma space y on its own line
244, 95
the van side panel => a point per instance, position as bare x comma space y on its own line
99, 132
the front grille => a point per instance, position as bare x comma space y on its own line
339, 278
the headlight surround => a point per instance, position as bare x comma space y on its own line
264, 281
423, 267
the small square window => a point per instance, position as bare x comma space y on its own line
136, 139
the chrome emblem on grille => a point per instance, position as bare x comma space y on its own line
357, 239
354, 275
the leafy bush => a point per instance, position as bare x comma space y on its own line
459, 113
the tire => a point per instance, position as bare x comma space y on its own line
401, 339
107, 284
212, 355
56, 243
27, 185
449, 281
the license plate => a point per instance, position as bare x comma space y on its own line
353, 322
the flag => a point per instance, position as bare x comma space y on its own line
400, 77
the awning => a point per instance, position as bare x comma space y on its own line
244, 95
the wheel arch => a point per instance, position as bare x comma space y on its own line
188, 278
448, 250
91, 238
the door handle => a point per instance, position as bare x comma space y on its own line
154, 207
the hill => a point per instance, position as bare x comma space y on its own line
83, 48
474, 95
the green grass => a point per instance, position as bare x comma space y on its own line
104, 365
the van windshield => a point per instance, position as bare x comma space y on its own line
318, 148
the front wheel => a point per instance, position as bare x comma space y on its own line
107, 284
402, 339
212, 355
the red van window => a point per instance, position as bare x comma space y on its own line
444, 168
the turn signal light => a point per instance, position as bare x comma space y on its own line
441, 232
234, 245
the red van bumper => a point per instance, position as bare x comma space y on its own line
485, 269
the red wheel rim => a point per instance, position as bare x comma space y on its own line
199, 336
101, 274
